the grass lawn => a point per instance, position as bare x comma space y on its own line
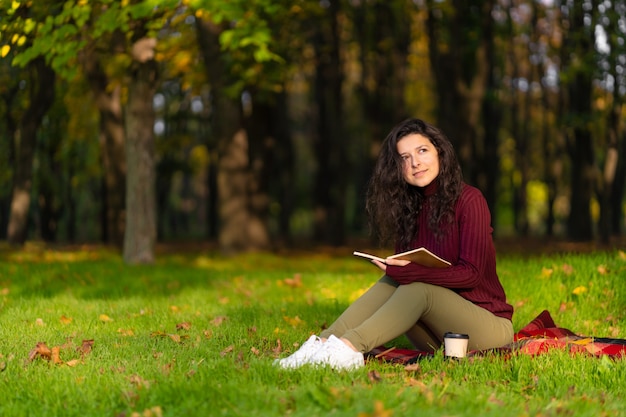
82, 334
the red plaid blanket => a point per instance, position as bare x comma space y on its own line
537, 337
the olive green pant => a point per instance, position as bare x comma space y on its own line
423, 313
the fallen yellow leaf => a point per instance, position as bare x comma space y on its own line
294, 282
227, 350
72, 363
40, 350
85, 347
379, 411
126, 332
104, 318
183, 326
56, 355
293, 321
218, 320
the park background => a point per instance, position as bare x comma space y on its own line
253, 125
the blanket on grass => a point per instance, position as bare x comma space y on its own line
537, 337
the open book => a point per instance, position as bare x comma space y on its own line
420, 256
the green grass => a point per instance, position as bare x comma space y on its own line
196, 334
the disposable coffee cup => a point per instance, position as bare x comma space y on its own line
455, 344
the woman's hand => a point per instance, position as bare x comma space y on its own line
381, 265
390, 261
397, 262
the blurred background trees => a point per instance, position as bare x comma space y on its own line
254, 124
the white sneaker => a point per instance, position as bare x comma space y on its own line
302, 355
337, 355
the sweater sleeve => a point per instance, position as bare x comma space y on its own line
470, 257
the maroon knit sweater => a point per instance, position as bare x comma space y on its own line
468, 245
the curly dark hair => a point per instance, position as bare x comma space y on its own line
393, 205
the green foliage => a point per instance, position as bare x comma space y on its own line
61, 36
196, 334
60, 33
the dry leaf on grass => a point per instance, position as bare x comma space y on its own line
138, 381
183, 326
41, 350
379, 411
294, 282
149, 412
217, 321
175, 337
228, 350
85, 347
126, 332
413, 367
603, 269
56, 355
72, 363
374, 376
279, 348
104, 318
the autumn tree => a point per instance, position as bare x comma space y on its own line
40, 80
247, 82
384, 32
577, 75
79, 24
461, 56
612, 182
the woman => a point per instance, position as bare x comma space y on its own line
417, 198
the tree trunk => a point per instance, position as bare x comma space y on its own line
553, 162
140, 235
239, 206
458, 56
491, 119
614, 135
284, 166
583, 171
112, 151
42, 80
332, 163
617, 193
7, 153
50, 178
271, 161
608, 179
383, 30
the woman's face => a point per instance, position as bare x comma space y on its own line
420, 159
